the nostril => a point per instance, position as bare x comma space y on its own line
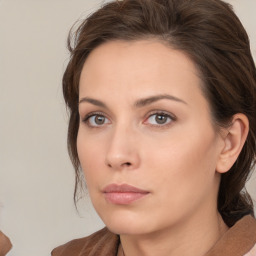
127, 163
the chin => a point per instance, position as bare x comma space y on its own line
127, 229
122, 222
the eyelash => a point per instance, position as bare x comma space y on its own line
167, 115
88, 116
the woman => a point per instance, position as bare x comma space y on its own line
162, 123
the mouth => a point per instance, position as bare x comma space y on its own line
123, 194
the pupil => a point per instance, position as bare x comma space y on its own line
161, 119
99, 120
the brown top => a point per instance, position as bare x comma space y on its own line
237, 241
5, 244
101, 243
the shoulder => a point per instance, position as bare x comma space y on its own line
238, 240
252, 252
102, 242
5, 244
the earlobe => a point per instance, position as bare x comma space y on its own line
234, 140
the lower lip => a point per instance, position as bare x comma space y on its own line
123, 197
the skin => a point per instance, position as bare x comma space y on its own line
175, 161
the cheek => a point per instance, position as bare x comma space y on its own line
184, 178
184, 163
88, 154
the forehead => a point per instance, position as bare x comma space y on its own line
138, 67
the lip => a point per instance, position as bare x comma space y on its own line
123, 194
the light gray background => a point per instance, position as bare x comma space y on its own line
36, 177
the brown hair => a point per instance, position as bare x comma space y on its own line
210, 33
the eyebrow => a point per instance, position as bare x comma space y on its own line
152, 99
139, 103
93, 101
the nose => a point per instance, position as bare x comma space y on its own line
123, 151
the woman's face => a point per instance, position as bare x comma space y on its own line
145, 142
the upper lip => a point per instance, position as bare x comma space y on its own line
123, 188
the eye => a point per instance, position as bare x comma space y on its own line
160, 119
96, 120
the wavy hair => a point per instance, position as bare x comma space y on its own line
210, 33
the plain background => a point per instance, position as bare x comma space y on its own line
36, 176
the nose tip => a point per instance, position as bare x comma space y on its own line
124, 161
122, 152
118, 164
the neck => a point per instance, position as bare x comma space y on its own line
191, 238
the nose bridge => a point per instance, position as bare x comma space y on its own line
122, 151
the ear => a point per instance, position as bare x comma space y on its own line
234, 139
